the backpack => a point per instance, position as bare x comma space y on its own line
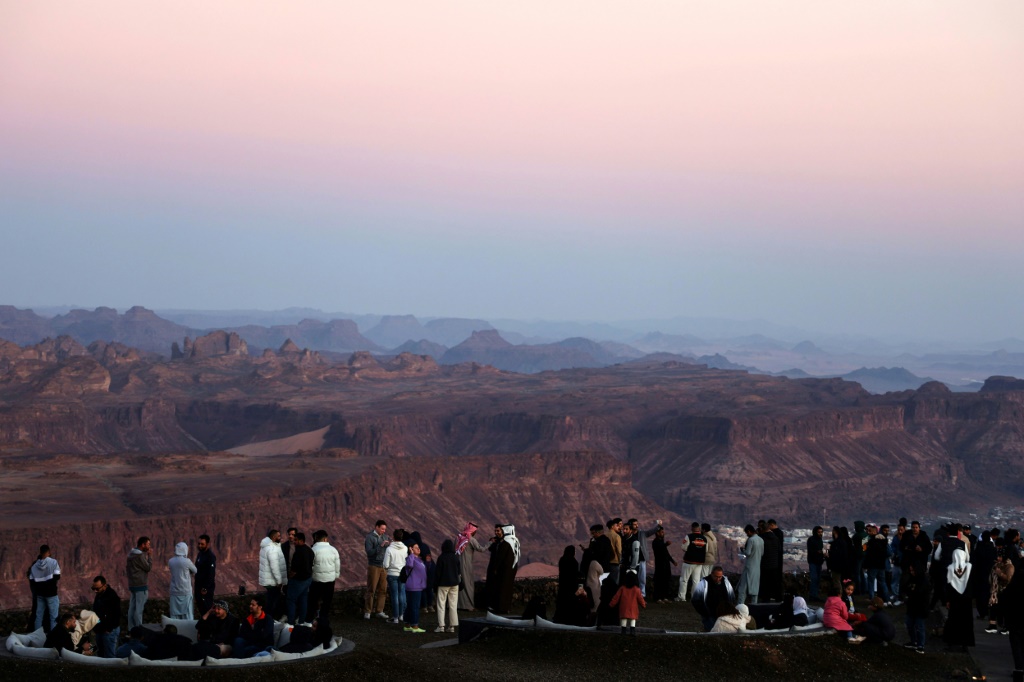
403, 575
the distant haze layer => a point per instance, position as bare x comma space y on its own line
848, 167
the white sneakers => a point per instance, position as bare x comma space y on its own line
379, 614
366, 616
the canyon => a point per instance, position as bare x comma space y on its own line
105, 442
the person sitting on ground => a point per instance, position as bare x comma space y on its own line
732, 619
836, 616
628, 598
168, 644
712, 591
802, 614
84, 624
307, 636
853, 616
136, 643
216, 632
878, 629
255, 632
60, 636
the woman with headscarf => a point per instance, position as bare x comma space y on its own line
802, 615
467, 546
568, 583
501, 572
959, 628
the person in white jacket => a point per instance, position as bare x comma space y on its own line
394, 562
326, 570
182, 569
273, 569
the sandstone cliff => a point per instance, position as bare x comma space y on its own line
551, 498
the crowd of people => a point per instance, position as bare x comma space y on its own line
298, 582
952, 573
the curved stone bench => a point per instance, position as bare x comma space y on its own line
31, 646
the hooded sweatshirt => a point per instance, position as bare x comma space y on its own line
394, 558
139, 565
182, 569
44, 574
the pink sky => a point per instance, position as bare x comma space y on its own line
743, 120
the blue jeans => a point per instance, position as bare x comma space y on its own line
136, 605
298, 596
641, 575
877, 574
49, 605
243, 649
860, 580
412, 610
396, 589
916, 629
106, 643
894, 582
815, 571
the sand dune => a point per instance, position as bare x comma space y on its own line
310, 440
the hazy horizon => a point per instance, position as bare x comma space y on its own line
839, 168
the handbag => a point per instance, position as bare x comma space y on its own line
403, 575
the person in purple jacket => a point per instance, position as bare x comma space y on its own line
414, 587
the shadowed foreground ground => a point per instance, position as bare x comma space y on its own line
385, 652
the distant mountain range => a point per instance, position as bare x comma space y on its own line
529, 347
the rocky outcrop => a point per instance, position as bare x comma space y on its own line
215, 344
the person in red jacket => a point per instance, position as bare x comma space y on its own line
629, 599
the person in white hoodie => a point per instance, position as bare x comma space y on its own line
394, 562
326, 570
182, 569
273, 569
44, 574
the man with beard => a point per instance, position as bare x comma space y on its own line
750, 581
915, 548
206, 574
255, 632
771, 572
711, 592
694, 551
599, 550
501, 573
107, 607
815, 559
615, 538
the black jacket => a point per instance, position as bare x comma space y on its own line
213, 629
206, 570
59, 638
301, 567
260, 633
448, 572
107, 605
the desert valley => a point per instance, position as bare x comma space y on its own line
103, 439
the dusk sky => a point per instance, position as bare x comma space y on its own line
839, 166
